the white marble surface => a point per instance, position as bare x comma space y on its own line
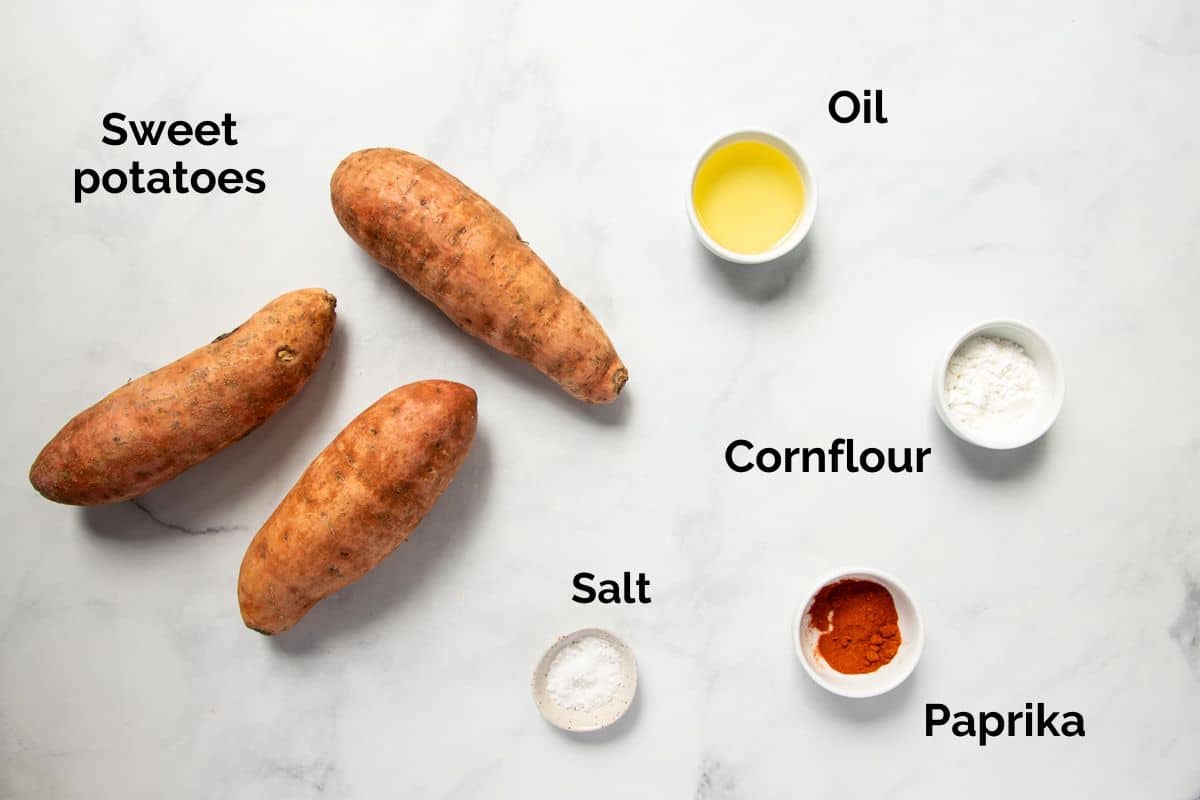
1041, 161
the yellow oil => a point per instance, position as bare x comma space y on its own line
748, 195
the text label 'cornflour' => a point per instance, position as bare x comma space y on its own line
742, 455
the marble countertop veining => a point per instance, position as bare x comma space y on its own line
1040, 161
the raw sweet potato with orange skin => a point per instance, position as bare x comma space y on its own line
466, 257
153, 428
357, 501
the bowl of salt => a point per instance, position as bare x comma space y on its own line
585, 681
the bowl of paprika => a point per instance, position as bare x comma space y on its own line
858, 634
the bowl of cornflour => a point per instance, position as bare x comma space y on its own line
585, 681
999, 385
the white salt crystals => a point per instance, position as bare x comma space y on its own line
585, 675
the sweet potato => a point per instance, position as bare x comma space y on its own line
461, 253
357, 501
153, 428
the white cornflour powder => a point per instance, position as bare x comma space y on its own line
991, 384
585, 674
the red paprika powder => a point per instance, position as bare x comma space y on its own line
857, 619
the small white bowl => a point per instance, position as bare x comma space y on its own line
799, 229
584, 721
867, 684
1047, 405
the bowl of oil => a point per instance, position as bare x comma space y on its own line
752, 197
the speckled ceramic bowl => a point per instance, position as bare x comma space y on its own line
583, 721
